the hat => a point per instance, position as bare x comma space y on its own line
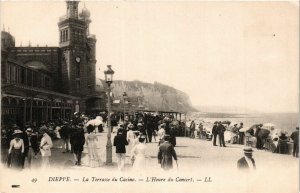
130, 125
17, 131
248, 150
167, 137
43, 129
15, 126
140, 124
29, 130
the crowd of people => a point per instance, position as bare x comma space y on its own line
133, 132
258, 136
35, 141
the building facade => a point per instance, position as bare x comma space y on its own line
46, 83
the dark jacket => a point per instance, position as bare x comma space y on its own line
77, 139
295, 137
120, 142
64, 132
165, 155
242, 163
215, 130
33, 143
221, 129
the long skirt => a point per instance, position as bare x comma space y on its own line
94, 158
16, 161
283, 147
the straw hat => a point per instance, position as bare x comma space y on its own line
17, 131
130, 125
248, 150
29, 130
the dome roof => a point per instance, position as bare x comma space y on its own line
85, 13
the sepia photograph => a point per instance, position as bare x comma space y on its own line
149, 96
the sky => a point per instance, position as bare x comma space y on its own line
240, 54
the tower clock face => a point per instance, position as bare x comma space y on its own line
77, 59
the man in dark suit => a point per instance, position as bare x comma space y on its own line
247, 162
65, 135
241, 134
77, 141
166, 153
31, 147
295, 138
259, 143
221, 130
215, 132
120, 142
192, 129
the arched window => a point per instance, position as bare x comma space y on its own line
67, 35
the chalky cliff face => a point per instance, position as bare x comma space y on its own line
154, 97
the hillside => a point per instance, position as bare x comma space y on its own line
155, 97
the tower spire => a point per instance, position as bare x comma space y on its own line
3, 27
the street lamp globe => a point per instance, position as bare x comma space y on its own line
109, 73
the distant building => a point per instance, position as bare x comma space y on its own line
46, 83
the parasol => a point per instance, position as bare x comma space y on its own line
95, 122
269, 126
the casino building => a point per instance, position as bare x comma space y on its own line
48, 83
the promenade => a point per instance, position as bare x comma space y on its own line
195, 154
197, 160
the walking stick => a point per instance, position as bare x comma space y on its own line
176, 164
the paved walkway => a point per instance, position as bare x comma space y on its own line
197, 160
193, 154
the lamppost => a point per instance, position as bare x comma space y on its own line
108, 79
124, 97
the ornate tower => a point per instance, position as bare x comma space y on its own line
78, 53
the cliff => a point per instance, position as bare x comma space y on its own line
152, 97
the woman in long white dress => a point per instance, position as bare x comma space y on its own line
91, 139
138, 154
130, 138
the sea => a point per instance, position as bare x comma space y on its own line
285, 121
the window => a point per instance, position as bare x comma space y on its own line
77, 84
67, 35
77, 69
22, 75
35, 79
64, 36
17, 74
29, 77
12, 74
8, 73
47, 82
